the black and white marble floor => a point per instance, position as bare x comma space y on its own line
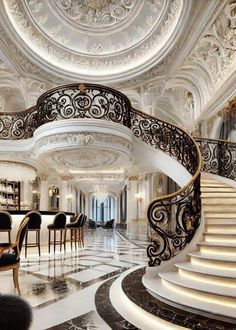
61, 288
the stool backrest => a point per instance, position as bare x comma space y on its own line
35, 220
5, 220
59, 220
21, 234
79, 220
84, 220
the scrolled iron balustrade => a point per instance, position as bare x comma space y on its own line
170, 237
175, 218
80, 101
18, 125
219, 157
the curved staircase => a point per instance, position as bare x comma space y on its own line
207, 282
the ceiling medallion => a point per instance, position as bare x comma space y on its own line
94, 13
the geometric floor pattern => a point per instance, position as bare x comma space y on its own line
62, 287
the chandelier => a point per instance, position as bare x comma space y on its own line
100, 192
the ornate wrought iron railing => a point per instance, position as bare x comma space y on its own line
174, 218
80, 101
219, 157
18, 125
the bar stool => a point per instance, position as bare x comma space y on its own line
82, 230
5, 224
34, 225
75, 233
57, 225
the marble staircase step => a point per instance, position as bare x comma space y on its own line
218, 201
226, 229
213, 184
219, 208
218, 190
207, 270
213, 215
223, 237
208, 286
220, 221
206, 302
228, 259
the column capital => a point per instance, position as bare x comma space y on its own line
133, 178
66, 177
43, 177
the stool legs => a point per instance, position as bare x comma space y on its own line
61, 241
9, 237
37, 241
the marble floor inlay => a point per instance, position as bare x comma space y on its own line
61, 288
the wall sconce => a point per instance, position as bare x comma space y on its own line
139, 196
69, 196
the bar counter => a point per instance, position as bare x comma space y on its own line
47, 218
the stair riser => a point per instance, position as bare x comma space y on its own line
221, 229
210, 215
214, 264
211, 279
218, 201
201, 296
220, 238
220, 208
218, 250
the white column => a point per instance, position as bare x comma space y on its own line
63, 191
43, 194
131, 199
78, 201
117, 209
86, 211
90, 201
26, 194
132, 207
73, 199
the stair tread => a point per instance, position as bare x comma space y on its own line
207, 287
221, 272
220, 244
223, 233
220, 215
218, 257
158, 289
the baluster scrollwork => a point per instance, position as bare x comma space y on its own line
80, 101
18, 125
173, 219
219, 157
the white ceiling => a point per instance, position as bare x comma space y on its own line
173, 58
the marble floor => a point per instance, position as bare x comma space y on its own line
61, 288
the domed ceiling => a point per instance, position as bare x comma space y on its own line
96, 40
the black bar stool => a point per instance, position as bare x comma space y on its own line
82, 230
5, 224
75, 233
34, 225
57, 225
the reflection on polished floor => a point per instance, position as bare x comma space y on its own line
61, 288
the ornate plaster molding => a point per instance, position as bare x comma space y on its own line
137, 58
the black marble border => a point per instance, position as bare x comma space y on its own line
106, 310
135, 290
